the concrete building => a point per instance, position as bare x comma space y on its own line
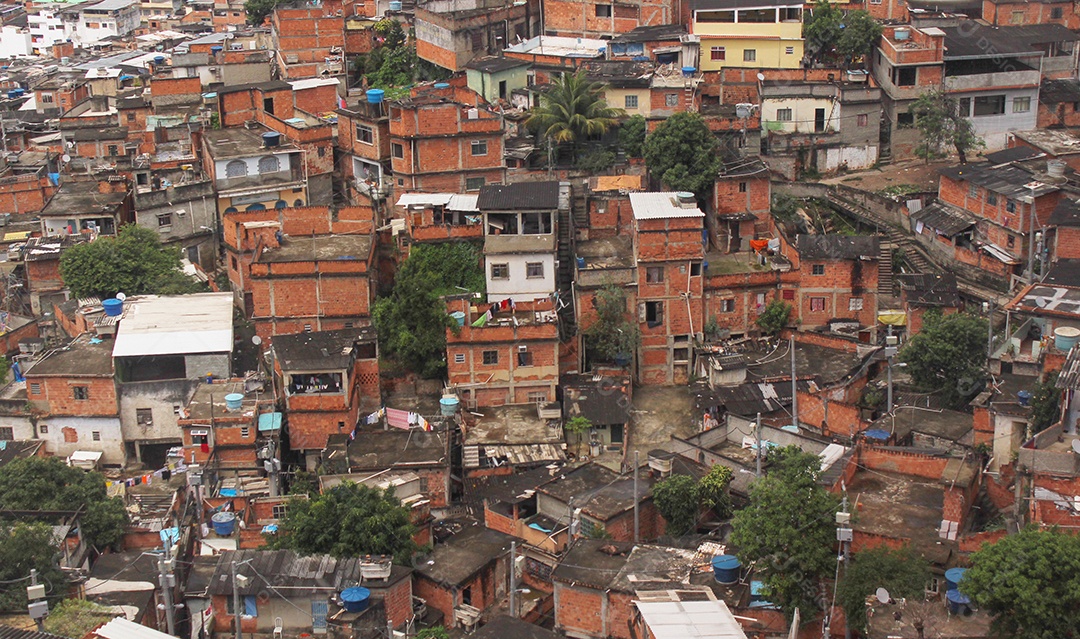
181, 210
520, 237
76, 209
496, 78
754, 34
468, 574
252, 170
451, 33
90, 23
595, 19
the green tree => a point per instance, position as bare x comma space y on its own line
821, 29
713, 490
774, 317
412, 320
595, 161
788, 530
76, 618
1030, 582
860, 32
1045, 404
578, 426
682, 153
572, 110
612, 335
900, 572
348, 520
27, 545
258, 10
676, 499
37, 483
948, 355
134, 262
437, 632
941, 125
632, 135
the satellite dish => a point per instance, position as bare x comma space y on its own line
121, 296
256, 340
65, 158
1076, 446
882, 595
761, 77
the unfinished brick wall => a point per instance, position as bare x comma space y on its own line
57, 395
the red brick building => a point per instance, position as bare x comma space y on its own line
838, 279
1059, 103
1001, 13
921, 292
466, 575
227, 438
450, 35
310, 42
329, 377
364, 139
593, 18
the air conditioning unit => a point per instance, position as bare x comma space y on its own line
523, 348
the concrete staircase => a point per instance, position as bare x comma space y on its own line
572, 204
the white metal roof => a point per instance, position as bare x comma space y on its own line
121, 628
658, 206
690, 620
176, 325
424, 199
311, 83
463, 202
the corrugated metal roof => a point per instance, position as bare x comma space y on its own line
1066, 213
944, 219
121, 628
1010, 181
683, 619
7, 632
424, 199
519, 196
659, 206
176, 325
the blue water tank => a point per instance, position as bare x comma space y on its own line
442, 85
271, 138
355, 599
689, 71
234, 401
1023, 397
448, 406
581, 262
224, 523
1065, 337
375, 96
953, 577
726, 568
216, 49
159, 59
958, 602
459, 318
113, 307
395, 5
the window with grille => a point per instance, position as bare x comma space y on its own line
459, 358
855, 304
538, 397
479, 147
7, 433
500, 271
1021, 105
164, 220
80, 392
474, 183
783, 115
818, 269
278, 511
144, 416
654, 274
269, 164
718, 53
43, 429
35, 388
96, 435
245, 432
236, 168
365, 134
749, 55
671, 99
491, 358
534, 270
817, 304
630, 102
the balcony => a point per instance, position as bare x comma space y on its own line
958, 81
274, 180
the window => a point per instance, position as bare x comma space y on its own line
1010, 206
476, 40
474, 183
817, 304
757, 15
727, 306
783, 115
95, 435
525, 358
875, 1
654, 314
788, 294
789, 50
500, 271
905, 120
307, 328
965, 107
1055, 13
749, 55
862, 119
491, 358
989, 105
47, 98
251, 608
538, 397
322, 151
164, 220
144, 416
671, 99
680, 354
479, 147
718, 53
43, 429
973, 190
176, 409
603, 11
113, 150
695, 269
905, 76
7, 433
235, 264
654, 274
1010, 241
236, 168
534, 270
1021, 105
991, 198
35, 388
397, 150
459, 358
277, 511
245, 432
854, 304
818, 269
80, 392
742, 187
1017, 17
630, 101
269, 164
365, 134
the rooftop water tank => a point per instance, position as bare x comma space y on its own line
216, 49
1065, 337
234, 401
113, 307
159, 59
271, 139
953, 577
901, 34
1055, 168
442, 85
1023, 397
726, 568
448, 406
958, 602
355, 599
395, 5
689, 71
375, 96
459, 318
224, 523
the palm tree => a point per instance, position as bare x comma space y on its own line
572, 110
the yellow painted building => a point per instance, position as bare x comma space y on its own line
748, 34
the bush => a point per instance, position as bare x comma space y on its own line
596, 161
774, 317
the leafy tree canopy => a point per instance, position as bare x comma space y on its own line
774, 317
948, 355
821, 29
682, 153
860, 32
712, 490
347, 520
788, 529
938, 118
676, 499
37, 483
258, 10
632, 135
572, 110
412, 320
134, 262
27, 545
612, 333
76, 618
1045, 404
900, 572
1030, 582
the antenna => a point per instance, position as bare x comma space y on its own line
256, 340
1076, 446
121, 296
761, 77
882, 595
65, 158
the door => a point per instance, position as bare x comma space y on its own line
616, 431
819, 120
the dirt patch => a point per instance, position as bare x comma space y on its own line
916, 173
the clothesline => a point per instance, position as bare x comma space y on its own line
395, 417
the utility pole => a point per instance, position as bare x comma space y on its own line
757, 430
236, 599
794, 390
637, 519
844, 536
513, 580
989, 308
1031, 234
37, 607
890, 350
166, 579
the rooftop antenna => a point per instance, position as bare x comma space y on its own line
1076, 446
882, 595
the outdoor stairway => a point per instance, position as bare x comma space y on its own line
885, 269
896, 237
571, 204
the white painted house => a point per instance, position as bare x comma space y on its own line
520, 238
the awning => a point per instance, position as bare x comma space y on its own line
892, 318
998, 253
